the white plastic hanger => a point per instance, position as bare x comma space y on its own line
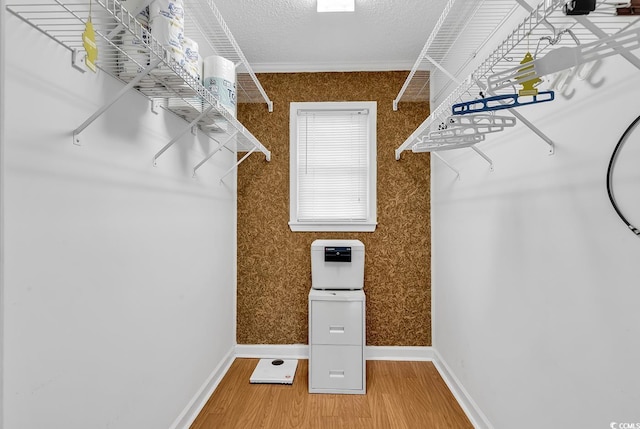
470, 125
564, 58
478, 120
433, 145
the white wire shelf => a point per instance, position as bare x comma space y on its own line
459, 19
544, 22
149, 70
203, 18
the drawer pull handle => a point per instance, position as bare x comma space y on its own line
336, 374
336, 329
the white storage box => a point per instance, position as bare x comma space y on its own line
337, 264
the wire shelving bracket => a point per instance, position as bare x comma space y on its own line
119, 94
473, 83
210, 155
200, 13
451, 167
160, 79
477, 17
484, 156
237, 164
541, 20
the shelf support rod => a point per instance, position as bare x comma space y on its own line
238, 51
532, 127
535, 129
597, 31
443, 70
238, 163
451, 167
530, 9
482, 154
123, 91
220, 146
413, 138
134, 13
184, 131
536, 16
423, 53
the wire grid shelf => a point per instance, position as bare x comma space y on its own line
117, 31
478, 18
203, 18
545, 21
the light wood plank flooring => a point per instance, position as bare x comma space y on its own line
400, 395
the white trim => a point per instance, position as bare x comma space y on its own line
263, 351
331, 67
478, 419
364, 225
235, 256
197, 403
331, 227
399, 353
301, 351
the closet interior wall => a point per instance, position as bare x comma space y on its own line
534, 281
119, 279
2, 168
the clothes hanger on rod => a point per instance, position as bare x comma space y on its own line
445, 143
472, 125
556, 38
565, 57
500, 102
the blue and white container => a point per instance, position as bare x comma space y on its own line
219, 77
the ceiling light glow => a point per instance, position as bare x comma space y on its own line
336, 5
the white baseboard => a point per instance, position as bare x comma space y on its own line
191, 411
399, 353
263, 351
468, 405
301, 351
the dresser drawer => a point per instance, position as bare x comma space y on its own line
336, 368
336, 322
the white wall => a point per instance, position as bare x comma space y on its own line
2, 74
120, 276
535, 278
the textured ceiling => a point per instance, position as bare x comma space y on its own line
289, 35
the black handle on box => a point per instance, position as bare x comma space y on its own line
337, 254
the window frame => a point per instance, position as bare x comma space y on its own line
370, 223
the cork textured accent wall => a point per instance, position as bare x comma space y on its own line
274, 264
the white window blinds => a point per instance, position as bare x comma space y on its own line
333, 165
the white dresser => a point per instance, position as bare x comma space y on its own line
336, 341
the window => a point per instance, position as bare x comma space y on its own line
332, 166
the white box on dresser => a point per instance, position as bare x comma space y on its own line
337, 333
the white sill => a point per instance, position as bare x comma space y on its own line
332, 227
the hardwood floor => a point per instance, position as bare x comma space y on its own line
400, 395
